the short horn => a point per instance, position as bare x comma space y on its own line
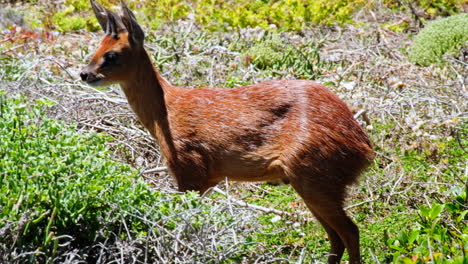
126, 11
114, 24
100, 14
129, 20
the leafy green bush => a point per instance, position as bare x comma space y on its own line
439, 38
219, 14
66, 21
287, 15
432, 7
268, 53
56, 181
156, 12
440, 235
276, 53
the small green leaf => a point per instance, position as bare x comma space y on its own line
435, 211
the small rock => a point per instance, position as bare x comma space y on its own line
275, 219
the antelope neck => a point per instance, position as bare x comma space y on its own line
145, 90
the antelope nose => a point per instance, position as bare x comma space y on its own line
84, 76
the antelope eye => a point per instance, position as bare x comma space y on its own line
110, 58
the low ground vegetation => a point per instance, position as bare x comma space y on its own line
75, 165
443, 37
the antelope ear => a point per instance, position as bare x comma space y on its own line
100, 14
135, 33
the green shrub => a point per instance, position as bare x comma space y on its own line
286, 15
432, 7
276, 53
55, 180
155, 12
268, 53
440, 235
439, 38
67, 20
220, 14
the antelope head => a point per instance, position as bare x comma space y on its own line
118, 53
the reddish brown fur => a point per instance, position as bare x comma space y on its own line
294, 130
